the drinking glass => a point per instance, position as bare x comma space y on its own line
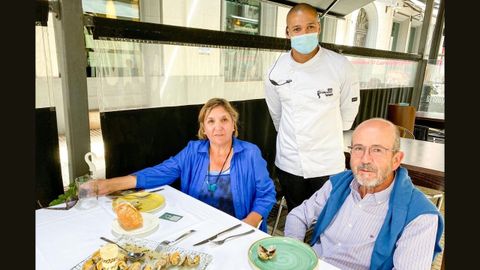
87, 191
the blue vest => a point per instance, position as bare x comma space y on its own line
405, 204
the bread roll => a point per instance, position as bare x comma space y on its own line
128, 216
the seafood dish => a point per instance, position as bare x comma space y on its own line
167, 257
266, 253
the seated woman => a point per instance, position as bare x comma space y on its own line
219, 169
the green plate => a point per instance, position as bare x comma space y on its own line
290, 254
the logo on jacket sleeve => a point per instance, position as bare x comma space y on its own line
327, 93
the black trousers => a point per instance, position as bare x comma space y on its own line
296, 189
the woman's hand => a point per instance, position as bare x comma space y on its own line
253, 219
106, 186
102, 186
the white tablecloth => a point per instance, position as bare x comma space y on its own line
64, 238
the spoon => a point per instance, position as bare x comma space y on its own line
133, 256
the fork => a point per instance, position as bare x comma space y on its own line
220, 242
169, 243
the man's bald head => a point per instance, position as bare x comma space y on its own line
381, 123
302, 7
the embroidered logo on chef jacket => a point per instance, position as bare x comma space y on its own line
327, 93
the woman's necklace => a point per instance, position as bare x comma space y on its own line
213, 186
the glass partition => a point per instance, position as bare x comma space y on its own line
433, 92
432, 97
242, 17
118, 9
381, 24
377, 73
124, 59
47, 81
48, 93
175, 75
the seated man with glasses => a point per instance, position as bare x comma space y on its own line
371, 217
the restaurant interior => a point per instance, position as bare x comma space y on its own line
119, 84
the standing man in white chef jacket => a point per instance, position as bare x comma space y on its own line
313, 95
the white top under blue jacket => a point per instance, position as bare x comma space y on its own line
252, 187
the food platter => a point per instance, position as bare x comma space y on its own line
145, 245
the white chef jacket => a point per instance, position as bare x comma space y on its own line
311, 112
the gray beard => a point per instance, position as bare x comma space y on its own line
374, 182
370, 184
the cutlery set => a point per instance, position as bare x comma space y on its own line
216, 235
209, 239
165, 243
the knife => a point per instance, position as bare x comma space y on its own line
156, 190
216, 235
122, 193
125, 193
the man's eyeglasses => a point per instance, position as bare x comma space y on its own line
375, 151
68, 204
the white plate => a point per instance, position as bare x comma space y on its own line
150, 224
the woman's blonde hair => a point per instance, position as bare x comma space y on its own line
212, 103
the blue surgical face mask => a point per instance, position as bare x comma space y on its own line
305, 44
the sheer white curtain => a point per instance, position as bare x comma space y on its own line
175, 75
46, 70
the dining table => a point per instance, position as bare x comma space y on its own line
424, 160
430, 119
65, 238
